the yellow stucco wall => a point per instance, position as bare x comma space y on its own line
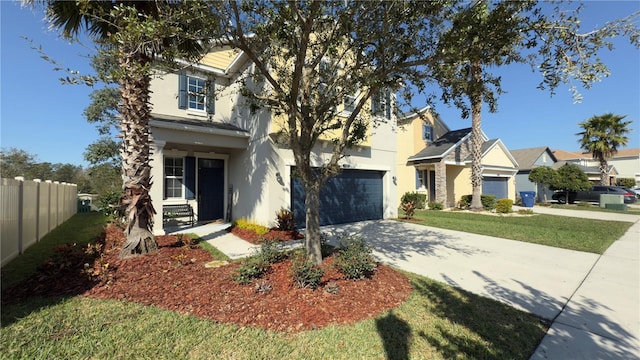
458, 184
497, 157
410, 143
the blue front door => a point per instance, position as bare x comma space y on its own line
210, 189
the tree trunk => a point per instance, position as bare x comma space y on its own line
476, 138
604, 175
136, 170
312, 231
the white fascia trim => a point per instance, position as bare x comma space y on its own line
498, 171
456, 163
347, 167
198, 129
203, 67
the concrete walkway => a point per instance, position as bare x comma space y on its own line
592, 300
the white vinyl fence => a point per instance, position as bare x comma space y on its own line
30, 209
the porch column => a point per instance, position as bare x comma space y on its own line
441, 183
156, 191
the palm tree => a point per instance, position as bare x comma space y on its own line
602, 136
137, 33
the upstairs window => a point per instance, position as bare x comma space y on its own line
196, 94
173, 177
349, 103
427, 132
381, 104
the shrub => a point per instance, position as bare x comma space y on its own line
488, 202
271, 251
252, 268
409, 209
243, 223
354, 258
435, 205
304, 272
285, 220
504, 206
325, 248
416, 198
525, 211
626, 182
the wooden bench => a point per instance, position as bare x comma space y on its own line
178, 211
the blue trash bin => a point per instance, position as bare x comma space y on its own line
528, 198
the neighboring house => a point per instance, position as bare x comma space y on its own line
212, 151
415, 131
528, 159
444, 167
624, 164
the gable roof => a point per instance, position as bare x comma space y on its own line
589, 170
489, 145
410, 116
568, 155
527, 158
442, 146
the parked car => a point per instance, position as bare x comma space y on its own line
593, 195
637, 191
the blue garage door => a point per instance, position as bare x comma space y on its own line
354, 195
496, 186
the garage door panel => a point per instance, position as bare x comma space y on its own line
354, 195
496, 186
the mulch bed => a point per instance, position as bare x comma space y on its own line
273, 234
175, 278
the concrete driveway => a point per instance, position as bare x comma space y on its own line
534, 278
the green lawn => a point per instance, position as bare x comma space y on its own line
436, 322
588, 235
594, 207
80, 229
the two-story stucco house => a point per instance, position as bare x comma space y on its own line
212, 151
440, 161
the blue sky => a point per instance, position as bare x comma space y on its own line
43, 117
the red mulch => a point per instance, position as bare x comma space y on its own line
175, 278
273, 234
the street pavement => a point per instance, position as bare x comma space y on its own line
592, 300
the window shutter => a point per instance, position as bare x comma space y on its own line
182, 91
417, 179
190, 177
211, 96
375, 103
388, 103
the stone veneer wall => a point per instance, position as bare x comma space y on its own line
441, 182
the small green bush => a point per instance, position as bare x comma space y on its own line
504, 206
488, 202
409, 209
304, 272
285, 220
626, 182
271, 251
525, 211
354, 258
435, 205
252, 268
416, 198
